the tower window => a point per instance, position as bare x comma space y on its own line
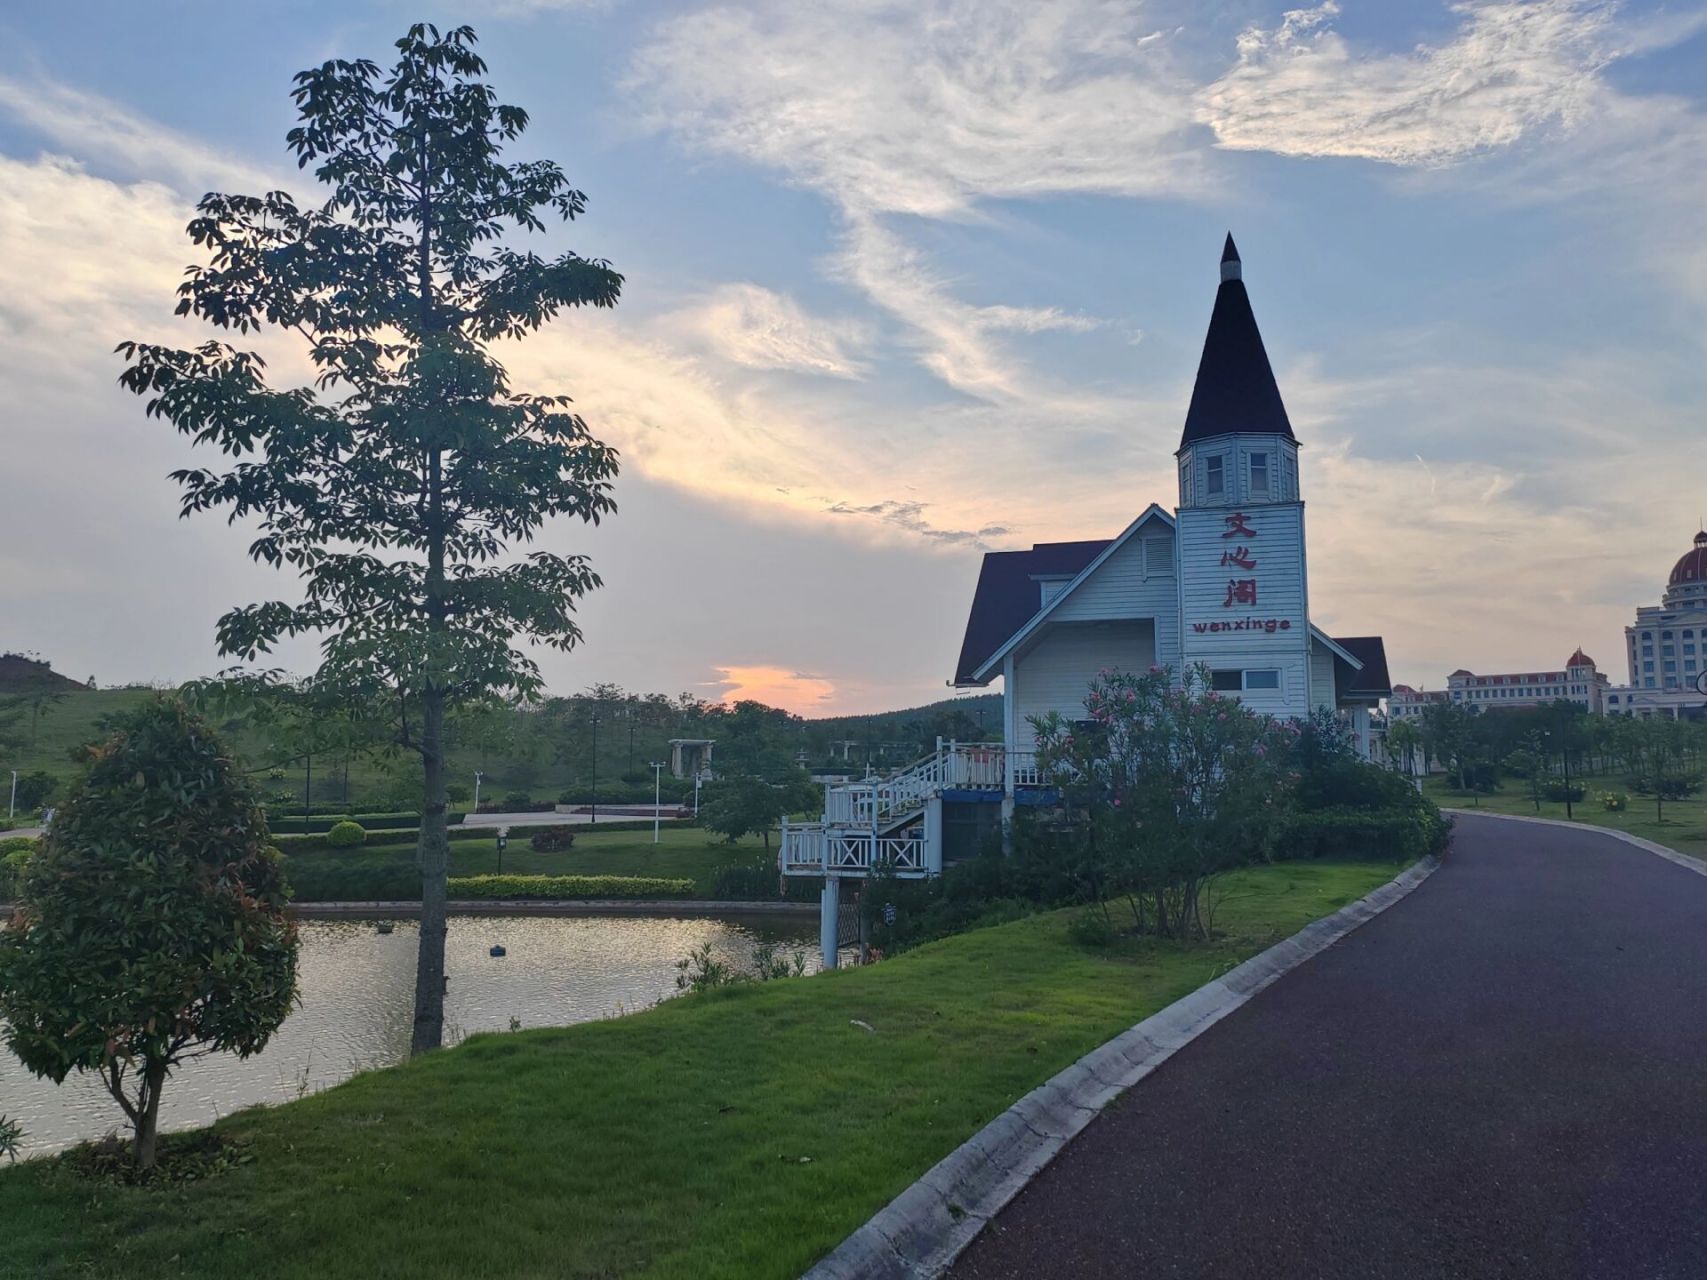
1259, 473
1215, 475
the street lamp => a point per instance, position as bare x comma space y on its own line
12, 809
477, 776
698, 776
657, 785
503, 840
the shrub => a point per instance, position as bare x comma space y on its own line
346, 835
517, 801
15, 854
569, 887
1676, 786
33, 790
1562, 791
1401, 834
1614, 801
745, 882
158, 890
553, 839
1353, 784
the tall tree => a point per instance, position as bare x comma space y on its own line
400, 484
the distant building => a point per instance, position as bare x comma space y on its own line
691, 757
1580, 682
1407, 703
1667, 646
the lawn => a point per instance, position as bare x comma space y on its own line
740, 1133
1684, 826
687, 852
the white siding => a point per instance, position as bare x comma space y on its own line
1272, 633
1055, 672
1322, 690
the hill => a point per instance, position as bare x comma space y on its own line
22, 674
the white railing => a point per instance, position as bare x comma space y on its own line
814, 851
979, 766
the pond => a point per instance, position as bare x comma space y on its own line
357, 991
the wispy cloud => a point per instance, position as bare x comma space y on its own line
762, 329
1514, 66
911, 517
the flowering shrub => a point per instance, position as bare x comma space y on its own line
1166, 786
1614, 801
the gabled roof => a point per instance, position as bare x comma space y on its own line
1013, 590
1007, 596
1371, 679
1235, 389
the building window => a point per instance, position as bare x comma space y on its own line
1259, 473
1647, 651
1215, 474
1262, 679
1226, 681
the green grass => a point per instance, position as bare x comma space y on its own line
684, 853
1683, 828
740, 1133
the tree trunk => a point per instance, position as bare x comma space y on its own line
148, 1114
433, 853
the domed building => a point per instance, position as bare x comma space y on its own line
1667, 646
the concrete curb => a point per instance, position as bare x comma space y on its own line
923, 1230
1658, 850
680, 907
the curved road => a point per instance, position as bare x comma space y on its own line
1505, 1074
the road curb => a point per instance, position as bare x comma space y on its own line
921, 1231
686, 908
1658, 850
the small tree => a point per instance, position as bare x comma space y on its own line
1404, 739
400, 485
151, 928
35, 789
1169, 785
733, 807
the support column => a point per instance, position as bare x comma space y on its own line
829, 902
933, 835
1009, 734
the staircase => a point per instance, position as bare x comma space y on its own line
895, 823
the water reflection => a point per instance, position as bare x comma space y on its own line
357, 1001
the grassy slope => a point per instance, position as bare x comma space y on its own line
1684, 827
741, 1134
689, 853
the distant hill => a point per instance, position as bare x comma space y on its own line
22, 674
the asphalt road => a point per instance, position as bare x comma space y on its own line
1504, 1075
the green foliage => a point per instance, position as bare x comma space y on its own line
15, 854
1562, 791
1351, 834
553, 839
569, 887
11, 1137
1614, 801
1168, 785
346, 835
157, 888
750, 805
35, 789
746, 882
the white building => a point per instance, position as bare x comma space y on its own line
1667, 646
1580, 682
1406, 703
1222, 581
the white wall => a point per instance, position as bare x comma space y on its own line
1323, 693
1136, 582
1054, 673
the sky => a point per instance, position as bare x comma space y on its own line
909, 281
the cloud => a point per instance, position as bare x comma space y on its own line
1513, 67
99, 131
775, 686
911, 517
760, 329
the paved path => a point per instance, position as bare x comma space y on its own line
1503, 1075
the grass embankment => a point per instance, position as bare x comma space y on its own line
1683, 827
387, 871
741, 1133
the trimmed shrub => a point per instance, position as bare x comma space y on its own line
321, 824
346, 835
569, 887
1560, 791
555, 839
1362, 833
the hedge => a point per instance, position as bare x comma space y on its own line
393, 838
1400, 834
569, 887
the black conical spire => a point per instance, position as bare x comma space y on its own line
1235, 388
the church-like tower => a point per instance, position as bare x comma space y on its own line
1243, 596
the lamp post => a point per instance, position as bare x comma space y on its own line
12, 809
477, 776
698, 776
503, 840
657, 785
595, 817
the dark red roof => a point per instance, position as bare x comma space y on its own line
1693, 566
1235, 389
1373, 680
1007, 597
1579, 659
